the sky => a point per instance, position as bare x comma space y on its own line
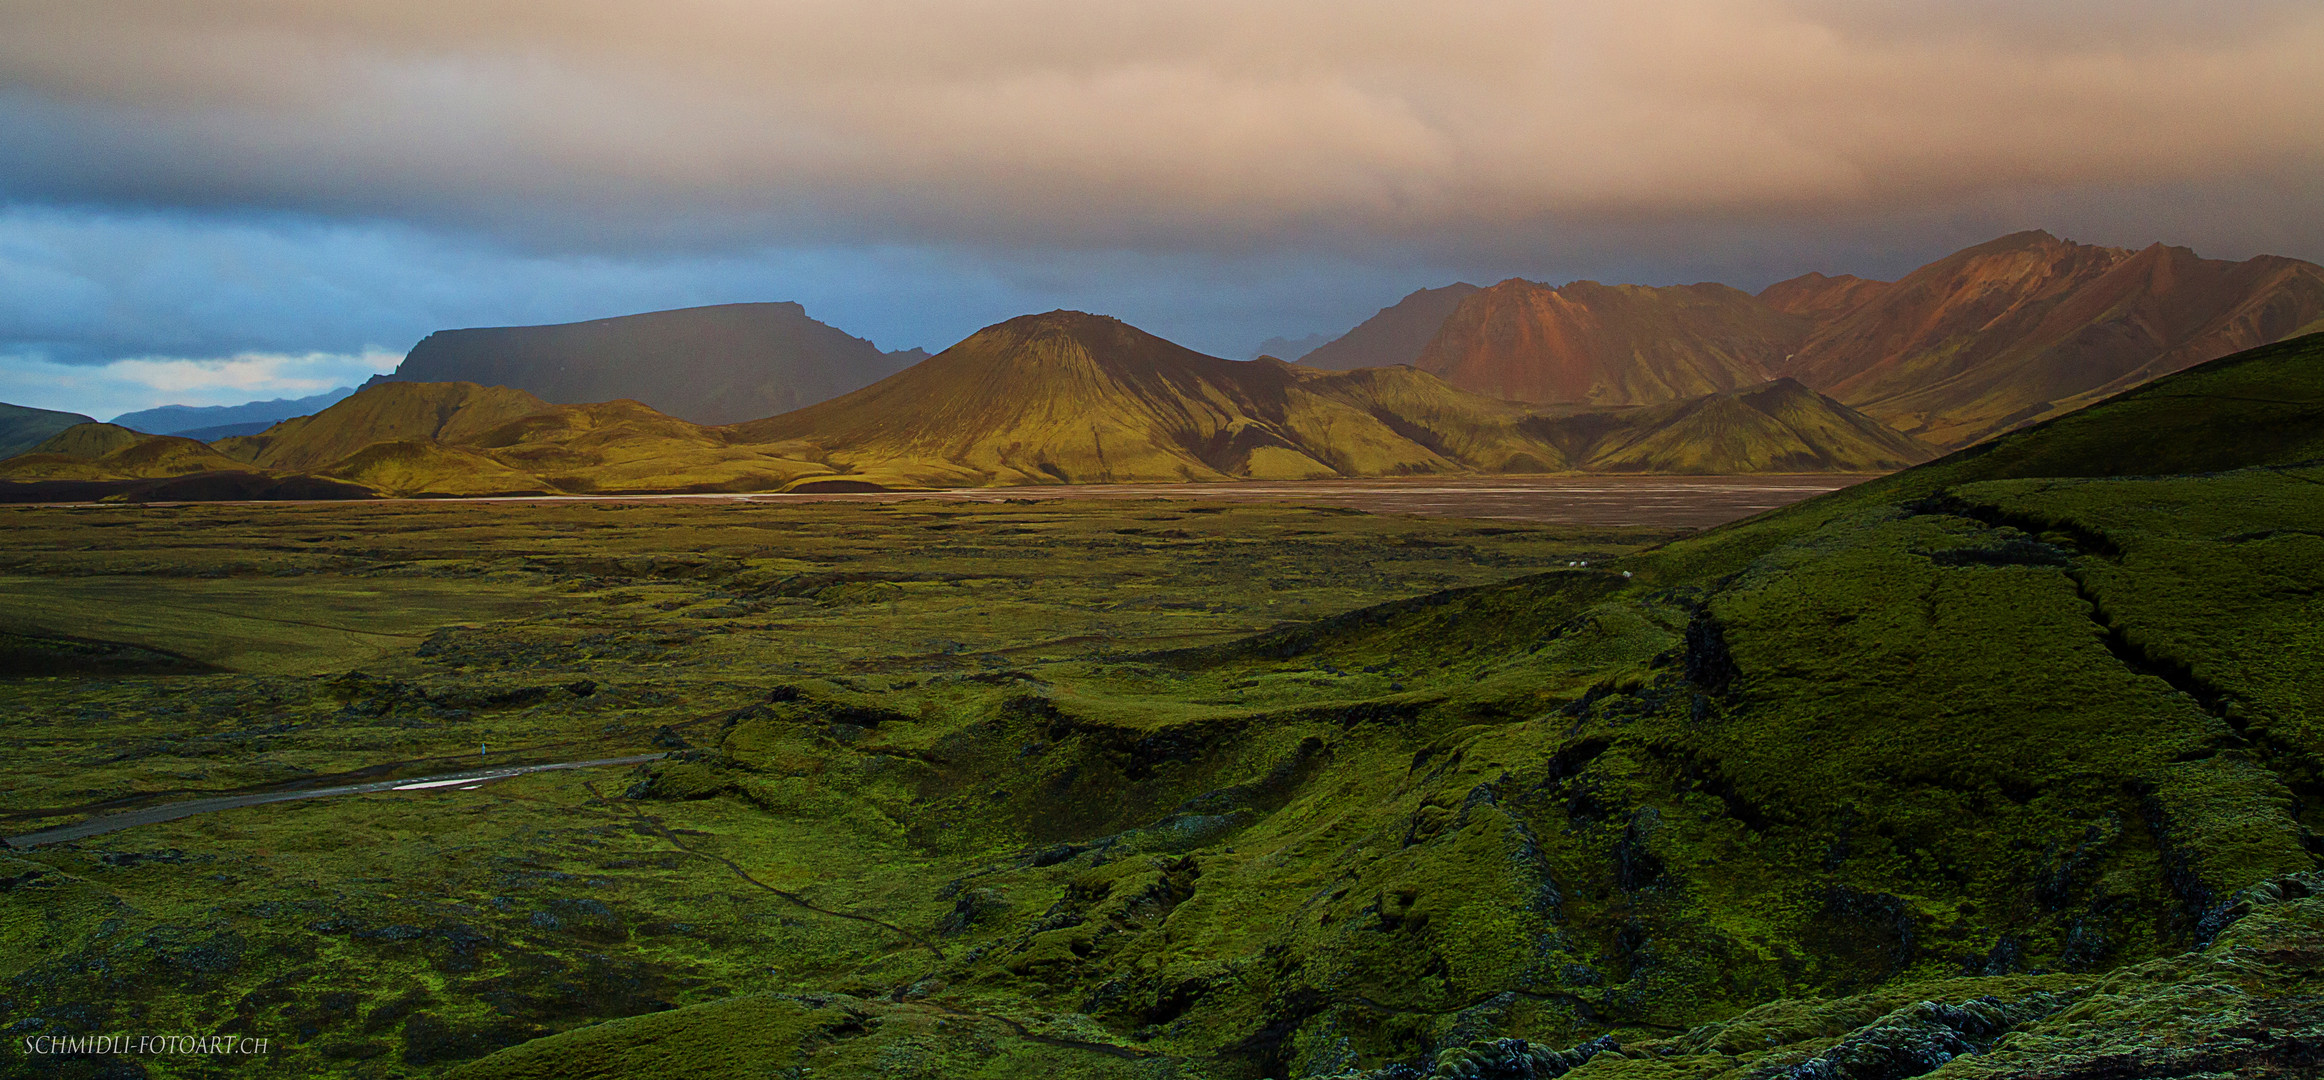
211, 201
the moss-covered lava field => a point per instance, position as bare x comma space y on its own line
2007, 766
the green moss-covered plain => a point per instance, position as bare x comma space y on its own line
2010, 766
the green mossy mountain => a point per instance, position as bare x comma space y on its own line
94, 451
1070, 397
448, 412
1778, 426
90, 441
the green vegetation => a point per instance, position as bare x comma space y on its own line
21, 428
2006, 766
1045, 399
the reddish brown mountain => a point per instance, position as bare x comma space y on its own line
1819, 297
1587, 343
1980, 342
2030, 326
1397, 335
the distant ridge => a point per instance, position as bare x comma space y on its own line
208, 422
710, 365
1817, 296
1283, 348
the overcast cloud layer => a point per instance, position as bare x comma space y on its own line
1300, 153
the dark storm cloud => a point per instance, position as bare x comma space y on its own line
289, 186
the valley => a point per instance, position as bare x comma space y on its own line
2005, 765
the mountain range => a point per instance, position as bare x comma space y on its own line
1977, 343
1064, 397
1816, 373
211, 422
709, 365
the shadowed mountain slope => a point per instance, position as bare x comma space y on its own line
709, 365
1396, 335
23, 428
1593, 344
2029, 326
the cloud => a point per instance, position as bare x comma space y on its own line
108, 390
1198, 124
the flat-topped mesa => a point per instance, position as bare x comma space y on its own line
711, 365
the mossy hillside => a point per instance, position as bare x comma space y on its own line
1817, 777
110, 452
384, 412
1783, 777
625, 446
495, 609
1779, 426
90, 441
406, 468
2257, 409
